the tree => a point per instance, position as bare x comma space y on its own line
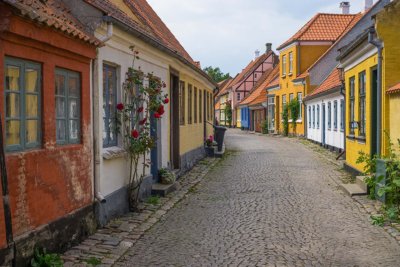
294, 107
216, 74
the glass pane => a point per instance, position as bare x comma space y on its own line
73, 86
12, 78
60, 84
73, 109
32, 131
73, 129
31, 105
13, 130
60, 107
60, 132
105, 129
31, 80
12, 105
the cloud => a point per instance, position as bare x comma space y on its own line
225, 33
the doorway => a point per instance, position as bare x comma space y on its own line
174, 118
374, 111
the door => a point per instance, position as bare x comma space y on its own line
174, 118
156, 151
323, 128
374, 111
271, 114
277, 113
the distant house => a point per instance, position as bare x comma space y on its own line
45, 62
272, 116
223, 98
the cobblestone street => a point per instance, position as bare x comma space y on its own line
270, 202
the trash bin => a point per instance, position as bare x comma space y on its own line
219, 136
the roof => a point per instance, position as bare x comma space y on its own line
53, 14
333, 81
224, 89
302, 76
394, 89
322, 27
273, 83
347, 49
262, 96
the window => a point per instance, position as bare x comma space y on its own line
67, 90
362, 103
22, 104
300, 99
313, 116
329, 115
190, 104
195, 105
351, 104
238, 97
200, 107
318, 116
109, 108
342, 119
309, 117
284, 65
182, 103
290, 98
255, 75
335, 115
283, 104
290, 62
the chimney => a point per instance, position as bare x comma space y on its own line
368, 4
269, 47
345, 6
256, 54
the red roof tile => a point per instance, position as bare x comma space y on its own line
394, 89
322, 27
54, 14
331, 82
274, 82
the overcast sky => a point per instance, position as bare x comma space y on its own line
225, 33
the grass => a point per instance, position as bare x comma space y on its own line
153, 200
93, 261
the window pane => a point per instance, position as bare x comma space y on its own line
73, 87
61, 130
60, 107
31, 80
12, 105
31, 106
13, 131
12, 78
32, 131
73, 129
73, 109
60, 85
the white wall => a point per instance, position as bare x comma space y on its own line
333, 137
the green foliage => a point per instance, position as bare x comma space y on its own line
153, 200
228, 113
378, 220
369, 170
93, 261
43, 259
285, 117
264, 127
294, 108
166, 176
216, 74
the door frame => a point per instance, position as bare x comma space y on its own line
174, 120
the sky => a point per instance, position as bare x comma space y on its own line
226, 33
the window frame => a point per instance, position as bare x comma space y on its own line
195, 105
313, 114
107, 112
190, 103
200, 106
23, 64
318, 116
335, 115
342, 115
300, 99
309, 117
182, 101
284, 65
362, 112
352, 104
284, 103
329, 116
290, 62
238, 97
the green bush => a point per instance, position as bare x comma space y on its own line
43, 259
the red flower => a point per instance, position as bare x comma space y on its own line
135, 134
161, 110
140, 110
166, 100
211, 138
142, 122
157, 115
120, 106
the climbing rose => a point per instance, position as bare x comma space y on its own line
120, 106
166, 100
142, 122
140, 110
161, 110
157, 115
135, 134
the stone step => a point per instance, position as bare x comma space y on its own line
353, 189
163, 189
360, 180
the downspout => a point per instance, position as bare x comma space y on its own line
342, 93
96, 111
379, 45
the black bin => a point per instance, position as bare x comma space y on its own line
219, 136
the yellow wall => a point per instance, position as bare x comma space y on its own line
387, 25
353, 146
309, 54
238, 118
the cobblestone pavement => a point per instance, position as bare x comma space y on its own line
270, 203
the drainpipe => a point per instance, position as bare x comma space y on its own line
379, 45
110, 29
342, 92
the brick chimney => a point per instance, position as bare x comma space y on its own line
269, 47
345, 6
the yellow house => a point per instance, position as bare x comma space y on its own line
222, 98
298, 53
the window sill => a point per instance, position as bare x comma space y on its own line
290, 74
283, 76
351, 137
114, 152
361, 140
299, 121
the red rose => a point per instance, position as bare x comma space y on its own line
140, 110
135, 134
120, 106
157, 115
161, 110
166, 100
142, 122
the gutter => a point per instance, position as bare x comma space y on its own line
379, 45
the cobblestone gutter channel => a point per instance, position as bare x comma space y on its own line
110, 243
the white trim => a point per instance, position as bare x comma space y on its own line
357, 57
300, 82
275, 88
288, 46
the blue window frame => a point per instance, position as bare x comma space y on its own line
68, 106
342, 119
318, 116
313, 114
329, 115
109, 106
335, 115
22, 89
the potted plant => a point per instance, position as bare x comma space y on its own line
209, 146
166, 176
